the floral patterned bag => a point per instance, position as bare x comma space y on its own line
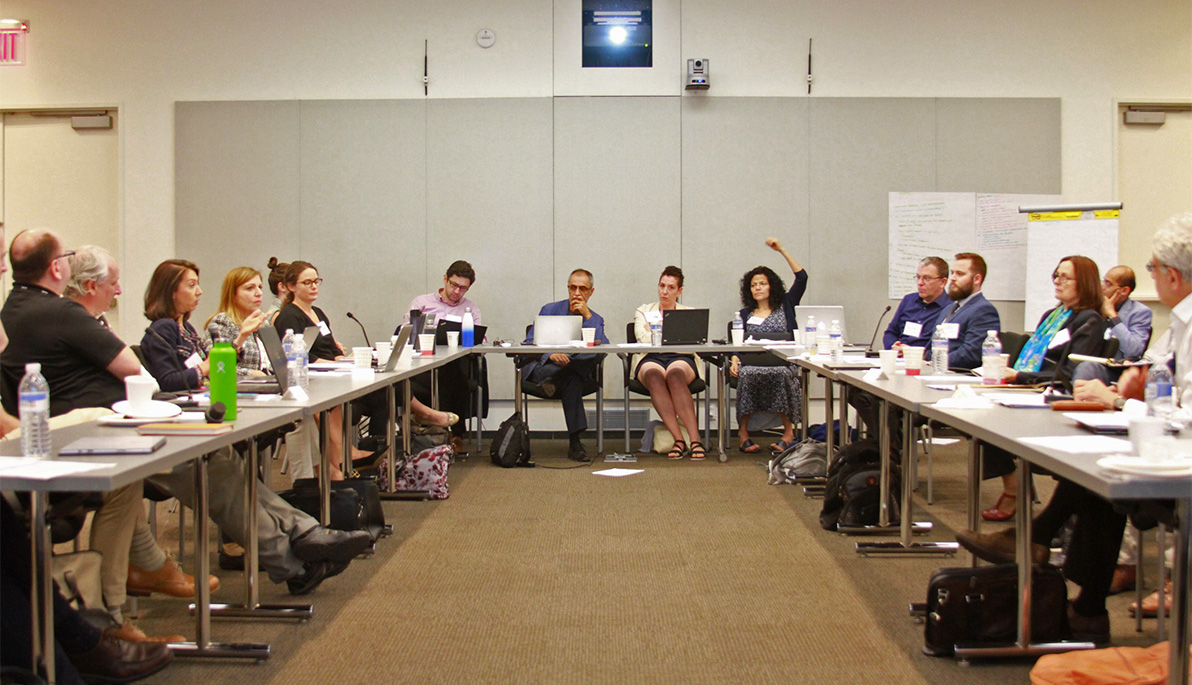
426, 471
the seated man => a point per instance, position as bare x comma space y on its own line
1129, 321
85, 365
972, 314
563, 375
449, 304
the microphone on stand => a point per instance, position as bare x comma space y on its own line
869, 350
353, 318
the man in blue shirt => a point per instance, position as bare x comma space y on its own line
1129, 322
914, 321
564, 375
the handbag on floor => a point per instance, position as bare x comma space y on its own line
980, 606
806, 459
355, 503
423, 472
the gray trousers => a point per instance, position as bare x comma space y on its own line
277, 521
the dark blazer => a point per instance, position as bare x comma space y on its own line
976, 318
793, 297
166, 353
1087, 328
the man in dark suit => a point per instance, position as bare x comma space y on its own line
971, 316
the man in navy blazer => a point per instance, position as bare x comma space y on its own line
971, 316
563, 375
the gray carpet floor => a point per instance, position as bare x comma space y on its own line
686, 572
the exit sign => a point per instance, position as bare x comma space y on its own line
13, 43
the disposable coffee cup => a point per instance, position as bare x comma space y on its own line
1147, 433
362, 357
914, 360
589, 336
452, 340
889, 360
384, 349
139, 390
738, 336
426, 341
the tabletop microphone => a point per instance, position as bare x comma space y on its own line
353, 318
869, 350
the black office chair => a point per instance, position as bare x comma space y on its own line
696, 387
594, 385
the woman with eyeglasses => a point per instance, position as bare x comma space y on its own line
1075, 325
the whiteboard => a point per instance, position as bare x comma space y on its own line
1050, 239
926, 224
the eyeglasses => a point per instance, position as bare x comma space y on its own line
1151, 266
928, 279
578, 288
311, 281
1062, 279
64, 255
456, 286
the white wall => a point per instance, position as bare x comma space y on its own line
143, 55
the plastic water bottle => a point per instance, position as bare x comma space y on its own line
297, 363
939, 352
991, 359
822, 340
809, 333
287, 341
656, 333
1159, 400
468, 328
836, 342
223, 377
738, 325
34, 410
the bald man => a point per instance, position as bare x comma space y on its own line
1129, 323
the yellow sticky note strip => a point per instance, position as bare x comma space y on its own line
1106, 214
1053, 216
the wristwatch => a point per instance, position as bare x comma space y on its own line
1113, 321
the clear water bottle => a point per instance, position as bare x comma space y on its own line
656, 333
1159, 400
738, 329
468, 329
991, 359
287, 341
809, 333
297, 363
34, 410
822, 339
939, 352
836, 342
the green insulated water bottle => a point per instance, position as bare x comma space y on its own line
223, 378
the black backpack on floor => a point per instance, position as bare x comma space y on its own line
852, 496
511, 444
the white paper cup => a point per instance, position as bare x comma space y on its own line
139, 390
426, 342
914, 360
384, 349
738, 336
589, 336
363, 357
452, 340
889, 360
1146, 432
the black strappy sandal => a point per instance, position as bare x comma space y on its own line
698, 453
677, 451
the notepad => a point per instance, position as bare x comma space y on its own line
184, 428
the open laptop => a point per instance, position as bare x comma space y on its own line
403, 336
557, 330
266, 385
684, 326
765, 357
445, 326
825, 313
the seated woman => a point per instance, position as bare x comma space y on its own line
172, 348
277, 286
769, 308
1075, 325
667, 375
302, 290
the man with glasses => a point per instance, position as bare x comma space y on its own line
448, 303
914, 321
563, 376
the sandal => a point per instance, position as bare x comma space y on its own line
750, 447
779, 447
697, 451
677, 450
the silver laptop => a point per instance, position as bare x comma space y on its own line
277, 359
399, 344
557, 330
826, 313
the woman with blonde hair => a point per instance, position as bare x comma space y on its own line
238, 319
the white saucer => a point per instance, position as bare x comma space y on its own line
1137, 466
152, 410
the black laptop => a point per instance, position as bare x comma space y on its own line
446, 326
684, 326
765, 357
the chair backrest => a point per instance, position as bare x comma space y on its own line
1110, 350
630, 334
1012, 344
136, 349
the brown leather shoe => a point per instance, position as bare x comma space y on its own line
130, 633
999, 547
117, 661
167, 580
1125, 576
1150, 603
